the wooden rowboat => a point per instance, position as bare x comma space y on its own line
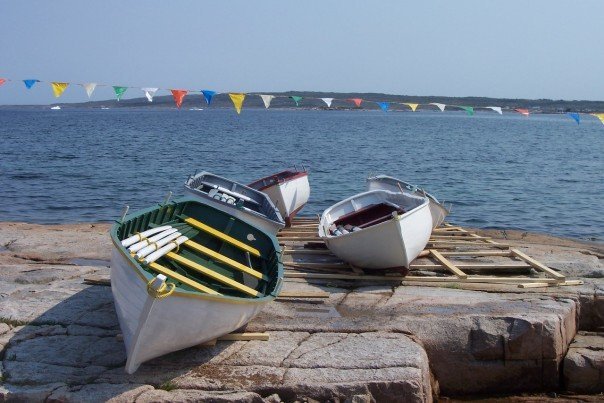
377, 229
236, 199
289, 191
437, 209
185, 273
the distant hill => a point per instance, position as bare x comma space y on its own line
254, 101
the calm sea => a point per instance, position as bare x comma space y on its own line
543, 173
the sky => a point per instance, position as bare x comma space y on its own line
510, 49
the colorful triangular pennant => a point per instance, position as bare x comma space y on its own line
179, 96
439, 106
412, 106
327, 101
496, 109
58, 88
296, 99
149, 92
119, 91
356, 101
237, 100
599, 116
521, 111
469, 110
267, 100
89, 87
575, 116
208, 95
30, 83
384, 106
2, 81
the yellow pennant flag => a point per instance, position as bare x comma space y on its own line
599, 116
237, 101
412, 106
58, 88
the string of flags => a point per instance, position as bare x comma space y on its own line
238, 98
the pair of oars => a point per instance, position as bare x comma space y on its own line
157, 242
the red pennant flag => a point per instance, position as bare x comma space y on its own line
179, 95
524, 112
357, 101
2, 81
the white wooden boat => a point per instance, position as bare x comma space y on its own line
437, 209
379, 229
289, 191
55, 108
234, 198
211, 276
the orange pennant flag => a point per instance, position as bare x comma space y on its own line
357, 101
524, 112
2, 81
599, 116
412, 106
179, 96
58, 88
237, 101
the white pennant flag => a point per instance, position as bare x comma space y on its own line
496, 109
149, 93
89, 87
327, 101
440, 106
267, 100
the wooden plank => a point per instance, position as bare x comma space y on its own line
475, 266
225, 259
97, 280
450, 266
244, 337
178, 277
218, 234
303, 294
477, 253
537, 265
299, 238
310, 265
307, 252
458, 237
212, 274
539, 285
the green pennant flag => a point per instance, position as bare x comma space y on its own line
469, 110
119, 91
296, 99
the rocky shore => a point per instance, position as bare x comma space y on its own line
60, 340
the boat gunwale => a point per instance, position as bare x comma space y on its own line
279, 181
380, 178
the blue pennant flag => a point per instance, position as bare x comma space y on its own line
30, 83
575, 116
208, 95
384, 106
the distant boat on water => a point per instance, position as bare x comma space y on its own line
196, 109
55, 108
104, 107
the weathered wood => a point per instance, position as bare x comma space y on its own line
474, 266
537, 265
557, 284
477, 253
97, 280
303, 294
245, 337
446, 263
300, 239
307, 252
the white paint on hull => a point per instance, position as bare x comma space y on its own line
289, 196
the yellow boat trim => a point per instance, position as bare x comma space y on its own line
211, 273
178, 277
199, 225
224, 259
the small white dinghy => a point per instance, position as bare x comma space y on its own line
437, 209
289, 191
234, 198
377, 229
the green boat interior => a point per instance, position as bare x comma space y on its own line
223, 255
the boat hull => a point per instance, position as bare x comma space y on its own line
289, 196
382, 182
391, 244
153, 327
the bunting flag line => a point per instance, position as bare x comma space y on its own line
30, 83
469, 110
575, 116
2, 81
521, 111
296, 99
412, 106
58, 88
384, 106
179, 96
439, 106
599, 116
496, 109
119, 91
357, 101
327, 101
149, 93
237, 100
208, 95
89, 87
267, 100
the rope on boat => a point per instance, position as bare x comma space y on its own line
164, 291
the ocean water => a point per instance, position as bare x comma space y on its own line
541, 174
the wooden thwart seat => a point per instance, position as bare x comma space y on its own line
212, 274
220, 235
224, 259
178, 277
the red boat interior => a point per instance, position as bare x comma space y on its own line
369, 215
